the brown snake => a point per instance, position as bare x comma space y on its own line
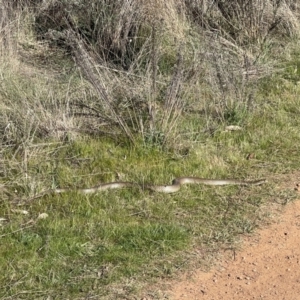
173, 188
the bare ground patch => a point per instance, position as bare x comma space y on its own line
267, 267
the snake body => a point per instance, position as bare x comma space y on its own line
172, 188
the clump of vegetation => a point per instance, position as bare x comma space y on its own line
138, 91
141, 64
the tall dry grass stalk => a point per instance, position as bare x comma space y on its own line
8, 16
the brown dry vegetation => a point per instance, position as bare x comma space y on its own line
144, 63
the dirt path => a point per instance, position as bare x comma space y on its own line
268, 267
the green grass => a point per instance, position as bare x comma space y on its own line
90, 244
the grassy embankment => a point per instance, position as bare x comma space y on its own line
56, 132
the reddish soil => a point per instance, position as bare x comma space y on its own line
267, 267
